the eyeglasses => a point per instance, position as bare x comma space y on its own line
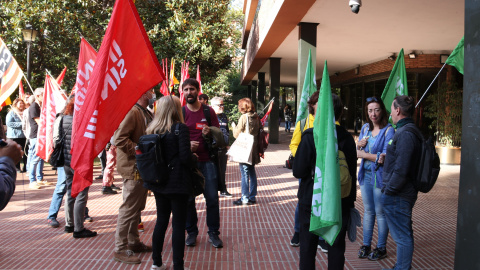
218, 105
370, 99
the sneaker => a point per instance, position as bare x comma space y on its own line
322, 245
140, 247
126, 256
162, 267
85, 233
34, 185
88, 218
250, 202
140, 227
52, 222
191, 240
108, 190
295, 242
239, 202
43, 183
99, 177
69, 229
377, 254
215, 240
363, 252
225, 194
115, 187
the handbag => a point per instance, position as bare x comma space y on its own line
289, 162
241, 149
262, 141
198, 181
57, 158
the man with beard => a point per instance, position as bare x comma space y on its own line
198, 118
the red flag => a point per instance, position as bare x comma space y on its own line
164, 89
10, 73
126, 67
20, 90
199, 80
61, 76
86, 62
264, 118
184, 76
50, 108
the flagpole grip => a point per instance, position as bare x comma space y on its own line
429, 86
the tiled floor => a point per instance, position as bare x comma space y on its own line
255, 237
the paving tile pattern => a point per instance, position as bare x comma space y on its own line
255, 237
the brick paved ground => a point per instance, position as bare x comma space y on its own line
255, 237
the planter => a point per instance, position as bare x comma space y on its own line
449, 155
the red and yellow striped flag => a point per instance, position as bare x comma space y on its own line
10, 73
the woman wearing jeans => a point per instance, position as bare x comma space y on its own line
372, 142
249, 122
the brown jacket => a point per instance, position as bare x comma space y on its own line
254, 127
126, 138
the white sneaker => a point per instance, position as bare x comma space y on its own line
34, 185
154, 267
43, 183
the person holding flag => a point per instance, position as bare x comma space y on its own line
322, 211
35, 163
14, 131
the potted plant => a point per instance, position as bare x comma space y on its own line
445, 109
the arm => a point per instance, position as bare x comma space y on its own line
9, 156
404, 162
122, 135
11, 120
184, 152
296, 137
240, 127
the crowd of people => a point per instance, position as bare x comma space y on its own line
388, 165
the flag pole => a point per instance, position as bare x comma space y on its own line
428, 88
28, 84
62, 92
266, 106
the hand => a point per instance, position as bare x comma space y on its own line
360, 153
381, 158
362, 143
194, 145
12, 150
206, 130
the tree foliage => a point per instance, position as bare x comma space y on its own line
204, 32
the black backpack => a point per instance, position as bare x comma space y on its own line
429, 163
150, 159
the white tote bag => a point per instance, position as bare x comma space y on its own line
241, 149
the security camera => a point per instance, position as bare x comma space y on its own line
355, 5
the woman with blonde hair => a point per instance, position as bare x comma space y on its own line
14, 127
172, 197
249, 122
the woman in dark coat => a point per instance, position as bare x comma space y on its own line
171, 198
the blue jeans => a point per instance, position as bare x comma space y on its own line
34, 163
288, 125
398, 212
209, 170
249, 182
373, 207
58, 193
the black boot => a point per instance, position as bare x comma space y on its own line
108, 190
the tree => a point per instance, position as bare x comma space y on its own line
204, 32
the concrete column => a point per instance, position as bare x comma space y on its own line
468, 219
296, 102
254, 94
307, 40
274, 93
261, 88
249, 91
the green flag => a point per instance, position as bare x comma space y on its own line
397, 82
309, 87
456, 57
326, 217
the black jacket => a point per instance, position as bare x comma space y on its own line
176, 151
305, 159
401, 163
67, 131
